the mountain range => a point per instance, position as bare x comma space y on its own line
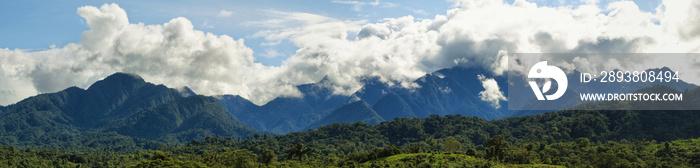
447, 91
123, 104
444, 92
124, 107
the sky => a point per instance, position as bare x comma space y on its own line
39, 24
262, 49
36, 25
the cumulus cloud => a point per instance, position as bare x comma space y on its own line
475, 33
492, 93
399, 50
173, 53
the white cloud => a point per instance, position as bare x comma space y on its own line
590, 1
492, 93
282, 19
396, 50
399, 50
358, 5
418, 11
271, 53
207, 25
173, 53
225, 13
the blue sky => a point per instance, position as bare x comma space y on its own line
36, 25
262, 49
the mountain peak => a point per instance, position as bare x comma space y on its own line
325, 79
185, 91
118, 80
665, 68
121, 76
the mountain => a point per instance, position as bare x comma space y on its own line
444, 92
286, 114
242, 108
393, 106
352, 112
117, 96
121, 103
372, 90
185, 91
448, 91
200, 114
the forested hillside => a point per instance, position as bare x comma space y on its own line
122, 112
124, 121
566, 138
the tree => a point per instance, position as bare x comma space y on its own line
268, 156
298, 150
158, 155
169, 162
496, 147
471, 152
451, 145
414, 149
237, 158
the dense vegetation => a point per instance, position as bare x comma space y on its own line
566, 138
122, 112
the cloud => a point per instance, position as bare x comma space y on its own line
207, 25
173, 53
399, 50
357, 5
590, 1
271, 53
395, 50
225, 13
282, 19
492, 93
418, 11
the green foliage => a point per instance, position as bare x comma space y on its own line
497, 151
236, 158
168, 162
452, 145
496, 148
299, 150
268, 157
122, 113
566, 138
375, 154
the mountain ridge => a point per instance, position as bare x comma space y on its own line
447, 91
353, 112
443, 92
101, 108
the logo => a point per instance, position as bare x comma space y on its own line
544, 71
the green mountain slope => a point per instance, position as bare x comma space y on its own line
353, 112
121, 104
178, 118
